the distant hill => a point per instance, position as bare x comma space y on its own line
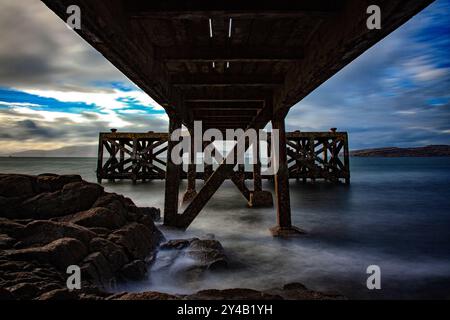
427, 151
71, 151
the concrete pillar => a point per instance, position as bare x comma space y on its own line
284, 225
173, 172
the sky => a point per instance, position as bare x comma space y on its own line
56, 90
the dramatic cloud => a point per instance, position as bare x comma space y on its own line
395, 94
56, 90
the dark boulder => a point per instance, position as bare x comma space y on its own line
11, 228
135, 270
17, 185
60, 253
44, 232
74, 197
51, 182
99, 217
138, 240
96, 269
113, 253
6, 241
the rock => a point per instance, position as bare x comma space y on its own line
5, 294
297, 291
149, 295
99, 217
233, 294
100, 231
60, 253
51, 182
11, 228
59, 294
176, 244
138, 241
113, 202
74, 197
6, 241
44, 232
95, 268
17, 185
153, 213
135, 270
207, 254
24, 291
113, 253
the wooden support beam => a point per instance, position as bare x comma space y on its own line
191, 174
227, 94
217, 80
230, 54
203, 9
172, 180
227, 105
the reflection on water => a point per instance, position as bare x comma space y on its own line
395, 214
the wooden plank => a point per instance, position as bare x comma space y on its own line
231, 54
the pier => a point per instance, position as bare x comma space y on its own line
230, 65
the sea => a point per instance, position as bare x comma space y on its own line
395, 214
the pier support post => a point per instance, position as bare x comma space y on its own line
191, 174
207, 168
173, 172
284, 225
259, 198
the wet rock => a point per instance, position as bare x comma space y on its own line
153, 213
100, 231
114, 254
177, 244
48, 182
233, 294
44, 232
16, 185
74, 197
149, 295
6, 241
5, 294
24, 291
99, 217
10, 227
297, 291
60, 253
59, 294
135, 270
206, 254
49, 222
113, 202
96, 269
137, 240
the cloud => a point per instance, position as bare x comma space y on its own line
396, 93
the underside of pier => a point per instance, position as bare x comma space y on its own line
231, 64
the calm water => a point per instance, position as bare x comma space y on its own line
395, 214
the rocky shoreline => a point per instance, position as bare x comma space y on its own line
49, 222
